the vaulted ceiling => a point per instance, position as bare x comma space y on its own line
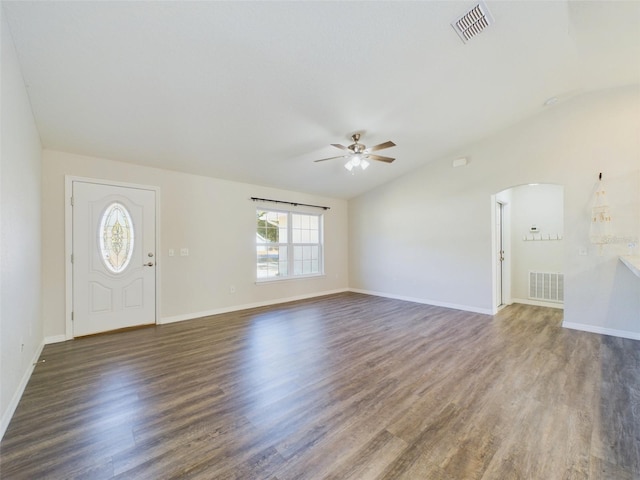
255, 91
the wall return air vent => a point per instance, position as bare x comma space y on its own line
473, 22
546, 286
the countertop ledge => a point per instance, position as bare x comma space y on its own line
633, 262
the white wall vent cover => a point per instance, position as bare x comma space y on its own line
545, 286
473, 22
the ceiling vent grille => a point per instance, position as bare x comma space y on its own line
473, 22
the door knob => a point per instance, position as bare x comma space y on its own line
150, 264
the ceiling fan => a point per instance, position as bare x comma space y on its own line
358, 154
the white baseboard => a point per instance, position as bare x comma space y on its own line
537, 303
13, 404
246, 306
55, 339
466, 308
602, 330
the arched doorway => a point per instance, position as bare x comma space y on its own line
528, 256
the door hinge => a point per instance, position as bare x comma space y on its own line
72, 201
72, 316
72, 258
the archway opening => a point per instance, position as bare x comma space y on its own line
528, 253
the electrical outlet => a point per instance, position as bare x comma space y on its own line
172, 252
232, 289
184, 252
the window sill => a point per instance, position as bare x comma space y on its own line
268, 281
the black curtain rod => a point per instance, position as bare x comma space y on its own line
295, 204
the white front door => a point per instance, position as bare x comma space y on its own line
114, 257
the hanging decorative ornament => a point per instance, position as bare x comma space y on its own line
600, 228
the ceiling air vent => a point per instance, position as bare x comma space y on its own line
473, 22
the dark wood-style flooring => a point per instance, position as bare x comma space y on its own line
346, 386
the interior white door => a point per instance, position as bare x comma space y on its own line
500, 256
114, 263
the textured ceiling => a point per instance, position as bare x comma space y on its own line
255, 91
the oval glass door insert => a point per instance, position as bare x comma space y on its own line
116, 237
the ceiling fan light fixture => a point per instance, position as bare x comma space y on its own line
356, 161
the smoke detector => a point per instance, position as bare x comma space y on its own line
473, 22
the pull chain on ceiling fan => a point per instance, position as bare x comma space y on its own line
358, 154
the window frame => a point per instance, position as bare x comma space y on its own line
290, 244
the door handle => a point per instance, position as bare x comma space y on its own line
150, 264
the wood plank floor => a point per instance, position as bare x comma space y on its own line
346, 386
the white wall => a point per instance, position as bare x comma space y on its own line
543, 206
214, 219
427, 236
21, 334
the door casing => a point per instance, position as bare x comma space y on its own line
506, 264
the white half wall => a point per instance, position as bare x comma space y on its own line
428, 235
214, 219
21, 333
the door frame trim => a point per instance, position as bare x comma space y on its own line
68, 242
506, 265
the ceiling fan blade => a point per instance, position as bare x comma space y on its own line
330, 158
341, 147
380, 158
381, 146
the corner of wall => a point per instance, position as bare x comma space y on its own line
20, 233
15, 399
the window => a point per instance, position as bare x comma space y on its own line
116, 237
288, 244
